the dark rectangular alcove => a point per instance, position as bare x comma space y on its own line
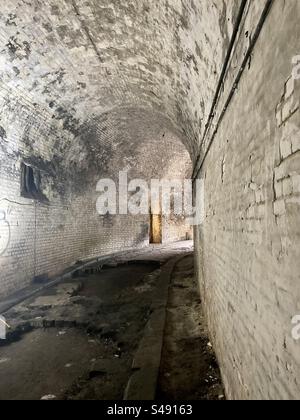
30, 183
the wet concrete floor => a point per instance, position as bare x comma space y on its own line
78, 341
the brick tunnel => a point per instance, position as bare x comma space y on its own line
125, 304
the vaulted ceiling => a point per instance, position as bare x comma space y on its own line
123, 78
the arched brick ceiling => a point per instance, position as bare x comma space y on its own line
140, 142
80, 60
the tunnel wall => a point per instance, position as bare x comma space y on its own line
248, 249
39, 238
175, 229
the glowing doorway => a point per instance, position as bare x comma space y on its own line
155, 229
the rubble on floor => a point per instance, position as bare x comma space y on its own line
189, 370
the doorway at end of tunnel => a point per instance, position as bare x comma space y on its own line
155, 229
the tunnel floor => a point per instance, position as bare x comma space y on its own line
189, 370
77, 340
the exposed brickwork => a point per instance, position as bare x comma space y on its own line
248, 248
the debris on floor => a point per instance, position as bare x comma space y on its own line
189, 370
77, 340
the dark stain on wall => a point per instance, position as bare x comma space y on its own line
16, 70
11, 20
70, 123
144, 235
3, 135
17, 49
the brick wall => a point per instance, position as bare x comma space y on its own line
176, 229
248, 250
